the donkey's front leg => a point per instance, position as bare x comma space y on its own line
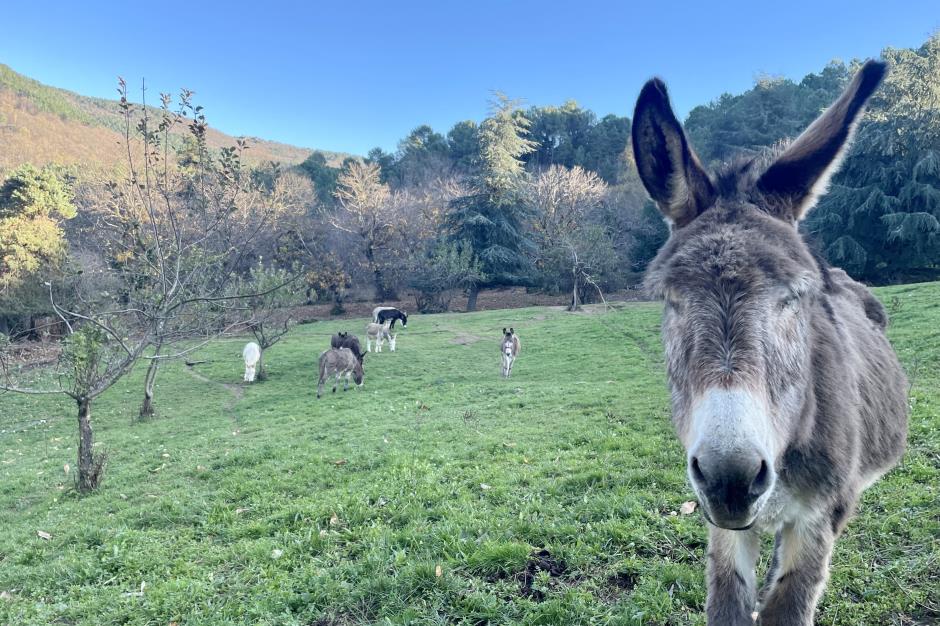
732, 556
802, 567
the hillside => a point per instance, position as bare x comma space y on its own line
41, 124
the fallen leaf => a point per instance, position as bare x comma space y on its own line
438, 571
334, 520
484, 486
200, 468
165, 455
323, 532
339, 462
44, 535
277, 553
239, 511
5, 595
66, 468
688, 508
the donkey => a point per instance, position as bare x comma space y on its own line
382, 313
339, 362
786, 394
251, 354
509, 348
378, 333
345, 340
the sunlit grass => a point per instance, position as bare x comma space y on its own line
425, 496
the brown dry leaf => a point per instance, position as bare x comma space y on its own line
323, 532
241, 510
438, 571
200, 468
688, 508
484, 486
334, 520
66, 468
5, 595
339, 462
43, 535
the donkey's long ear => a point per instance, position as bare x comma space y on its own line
668, 167
801, 173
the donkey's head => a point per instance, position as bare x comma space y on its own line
740, 289
506, 344
358, 373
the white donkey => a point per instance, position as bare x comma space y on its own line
378, 333
251, 354
509, 348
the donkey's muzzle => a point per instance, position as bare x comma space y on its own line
730, 487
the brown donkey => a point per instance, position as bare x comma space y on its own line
785, 392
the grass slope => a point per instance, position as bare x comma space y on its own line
40, 124
436, 494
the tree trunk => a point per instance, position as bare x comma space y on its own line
260, 374
87, 470
146, 408
472, 298
377, 274
575, 299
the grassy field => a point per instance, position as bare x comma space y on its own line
436, 494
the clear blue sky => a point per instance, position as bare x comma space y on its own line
349, 76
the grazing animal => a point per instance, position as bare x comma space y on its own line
345, 340
509, 348
378, 333
339, 362
786, 394
252, 354
382, 313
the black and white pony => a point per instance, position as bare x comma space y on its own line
381, 314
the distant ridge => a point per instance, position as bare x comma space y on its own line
41, 124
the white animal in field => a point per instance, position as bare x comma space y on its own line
378, 333
251, 354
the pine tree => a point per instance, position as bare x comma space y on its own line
491, 218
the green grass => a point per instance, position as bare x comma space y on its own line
261, 505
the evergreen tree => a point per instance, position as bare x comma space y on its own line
492, 217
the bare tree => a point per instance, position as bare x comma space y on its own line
561, 200
368, 210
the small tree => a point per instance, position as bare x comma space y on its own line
33, 205
442, 272
269, 294
95, 355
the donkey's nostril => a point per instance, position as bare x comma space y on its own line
697, 474
762, 481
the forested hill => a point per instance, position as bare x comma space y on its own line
40, 124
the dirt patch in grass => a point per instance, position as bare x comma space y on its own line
463, 339
540, 561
